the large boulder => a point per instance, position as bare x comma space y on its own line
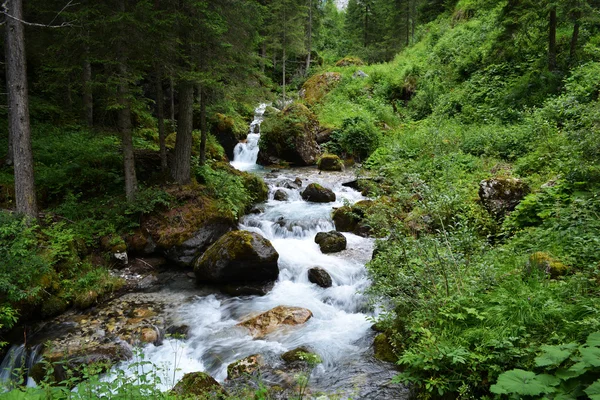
317, 86
246, 366
500, 196
320, 277
199, 385
316, 193
290, 136
280, 195
238, 256
228, 131
352, 218
330, 162
383, 349
331, 242
272, 320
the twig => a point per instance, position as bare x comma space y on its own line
64, 24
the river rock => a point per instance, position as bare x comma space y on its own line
500, 196
316, 193
199, 384
280, 195
331, 242
227, 132
178, 331
208, 234
238, 256
351, 218
245, 366
247, 289
319, 277
330, 162
383, 350
289, 184
295, 355
269, 321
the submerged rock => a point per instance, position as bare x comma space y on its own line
246, 366
280, 195
295, 355
331, 242
320, 277
316, 193
269, 321
247, 289
238, 256
330, 162
500, 196
199, 384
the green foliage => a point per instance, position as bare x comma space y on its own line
358, 137
228, 188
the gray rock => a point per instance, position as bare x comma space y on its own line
320, 277
280, 195
500, 196
360, 74
316, 193
331, 242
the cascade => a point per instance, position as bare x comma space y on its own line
245, 153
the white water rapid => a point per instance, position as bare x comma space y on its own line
245, 153
340, 330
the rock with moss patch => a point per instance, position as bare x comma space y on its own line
330, 162
540, 261
280, 195
316, 193
246, 366
228, 131
348, 61
500, 196
384, 351
352, 218
296, 355
238, 256
290, 136
274, 319
318, 85
320, 277
331, 242
199, 385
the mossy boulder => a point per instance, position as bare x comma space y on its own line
316, 193
238, 256
317, 86
246, 366
320, 277
295, 355
290, 136
540, 261
199, 385
280, 195
500, 196
348, 61
331, 242
330, 162
352, 218
274, 319
228, 130
384, 351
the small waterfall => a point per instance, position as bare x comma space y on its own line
245, 153
17, 363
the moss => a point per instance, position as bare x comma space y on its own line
383, 349
245, 366
54, 305
348, 61
541, 261
317, 86
330, 162
199, 384
296, 354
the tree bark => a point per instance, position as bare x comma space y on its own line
574, 37
203, 126
18, 111
552, 40
309, 44
88, 99
172, 96
366, 39
160, 115
183, 143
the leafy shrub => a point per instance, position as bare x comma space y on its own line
358, 137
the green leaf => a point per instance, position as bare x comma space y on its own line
521, 382
593, 391
552, 355
593, 339
590, 355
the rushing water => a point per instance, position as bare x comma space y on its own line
245, 153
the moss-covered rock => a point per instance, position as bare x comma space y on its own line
280, 195
384, 351
246, 366
199, 385
290, 136
317, 86
316, 193
330, 162
238, 256
228, 130
331, 242
348, 61
295, 355
272, 320
320, 277
540, 261
352, 218
500, 196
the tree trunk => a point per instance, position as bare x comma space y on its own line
574, 38
552, 41
366, 39
124, 124
172, 95
160, 115
88, 99
309, 44
407, 22
203, 126
18, 111
183, 143
263, 56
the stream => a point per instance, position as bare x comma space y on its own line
340, 329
